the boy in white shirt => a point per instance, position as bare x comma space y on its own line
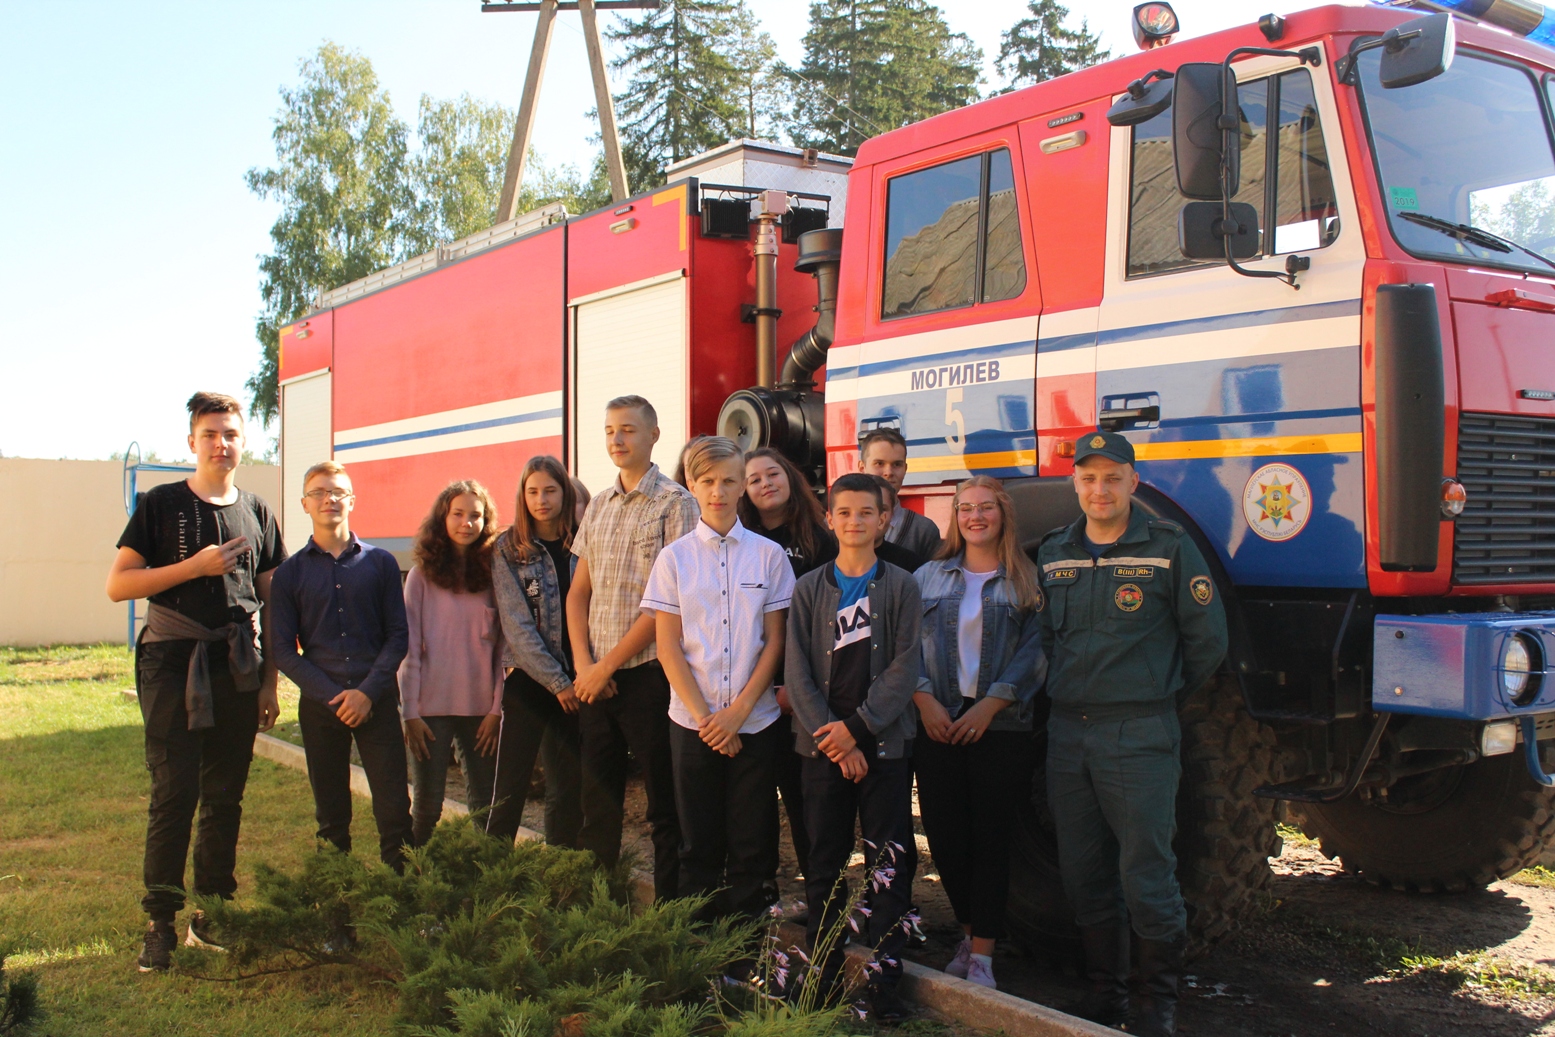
720, 594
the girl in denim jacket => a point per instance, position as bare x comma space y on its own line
982, 666
531, 574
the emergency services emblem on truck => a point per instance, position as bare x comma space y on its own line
1276, 502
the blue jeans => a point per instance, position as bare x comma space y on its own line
429, 777
1112, 788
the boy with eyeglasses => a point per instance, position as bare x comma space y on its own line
339, 600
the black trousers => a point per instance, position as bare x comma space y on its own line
789, 770
534, 723
967, 796
727, 808
635, 719
882, 806
192, 770
326, 740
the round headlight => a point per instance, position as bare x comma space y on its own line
1521, 660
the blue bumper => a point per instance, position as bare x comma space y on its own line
1451, 666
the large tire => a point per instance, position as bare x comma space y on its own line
1444, 831
1225, 835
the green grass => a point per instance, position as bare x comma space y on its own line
1484, 972
1538, 875
73, 790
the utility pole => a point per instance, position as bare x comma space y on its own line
523, 129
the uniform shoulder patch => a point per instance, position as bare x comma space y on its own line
1041, 601
1203, 589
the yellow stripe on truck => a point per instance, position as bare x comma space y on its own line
1187, 450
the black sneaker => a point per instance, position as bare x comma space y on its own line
156, 952
200, 934
886, 1007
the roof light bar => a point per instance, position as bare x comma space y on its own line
1519, 17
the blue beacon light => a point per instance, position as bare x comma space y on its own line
1523, 18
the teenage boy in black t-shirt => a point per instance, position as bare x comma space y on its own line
851, 669
203, 551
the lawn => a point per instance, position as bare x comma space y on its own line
73, 790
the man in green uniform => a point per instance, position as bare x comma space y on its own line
1130, 622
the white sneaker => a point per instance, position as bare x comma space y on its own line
980, 974
963, 959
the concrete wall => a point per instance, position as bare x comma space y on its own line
59, 521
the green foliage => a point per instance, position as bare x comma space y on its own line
340, 176
876, 65
1527, 216
457, 172
1040, 47
763, 92
682, 96
18, 998
480, 937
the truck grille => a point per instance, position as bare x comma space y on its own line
1506, 533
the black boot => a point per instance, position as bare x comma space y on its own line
1160, 966
1106, 969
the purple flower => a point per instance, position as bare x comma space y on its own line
801, 955
871, 967
865, 911
859, 1011
782, 978
779, 957
853, 923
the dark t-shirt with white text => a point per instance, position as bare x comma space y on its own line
172, 523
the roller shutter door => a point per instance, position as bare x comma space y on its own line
631, 341
305, 441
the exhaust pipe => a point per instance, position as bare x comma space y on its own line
820, 253
791, 416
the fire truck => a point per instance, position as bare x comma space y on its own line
1285, 260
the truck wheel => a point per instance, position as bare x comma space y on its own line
1443, 831
1225, 835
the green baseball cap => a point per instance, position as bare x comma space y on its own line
1107, 444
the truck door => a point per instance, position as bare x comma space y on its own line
631, 339
1241, 395
949, 355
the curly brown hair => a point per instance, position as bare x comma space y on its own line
440, 559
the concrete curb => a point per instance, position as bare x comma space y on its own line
948, 998
955, 1000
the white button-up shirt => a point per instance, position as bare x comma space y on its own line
721, 587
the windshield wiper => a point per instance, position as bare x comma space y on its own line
1472, 235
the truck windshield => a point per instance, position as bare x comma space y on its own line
1466, 163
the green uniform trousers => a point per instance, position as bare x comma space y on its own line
1112, 788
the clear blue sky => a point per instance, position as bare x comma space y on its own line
128, 242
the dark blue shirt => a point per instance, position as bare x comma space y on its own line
348, 616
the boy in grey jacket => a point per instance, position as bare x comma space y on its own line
851, 669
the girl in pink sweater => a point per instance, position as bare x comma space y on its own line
451, 679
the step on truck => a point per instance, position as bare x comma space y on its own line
1306, 266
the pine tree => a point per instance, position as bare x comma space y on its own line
1039, 47
875, 65
682, 96
763, 92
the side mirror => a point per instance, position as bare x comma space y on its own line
1198, 103
1143, 101
1417, 50
1202, 231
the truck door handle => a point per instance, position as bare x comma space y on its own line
1517, 299
1112, 420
